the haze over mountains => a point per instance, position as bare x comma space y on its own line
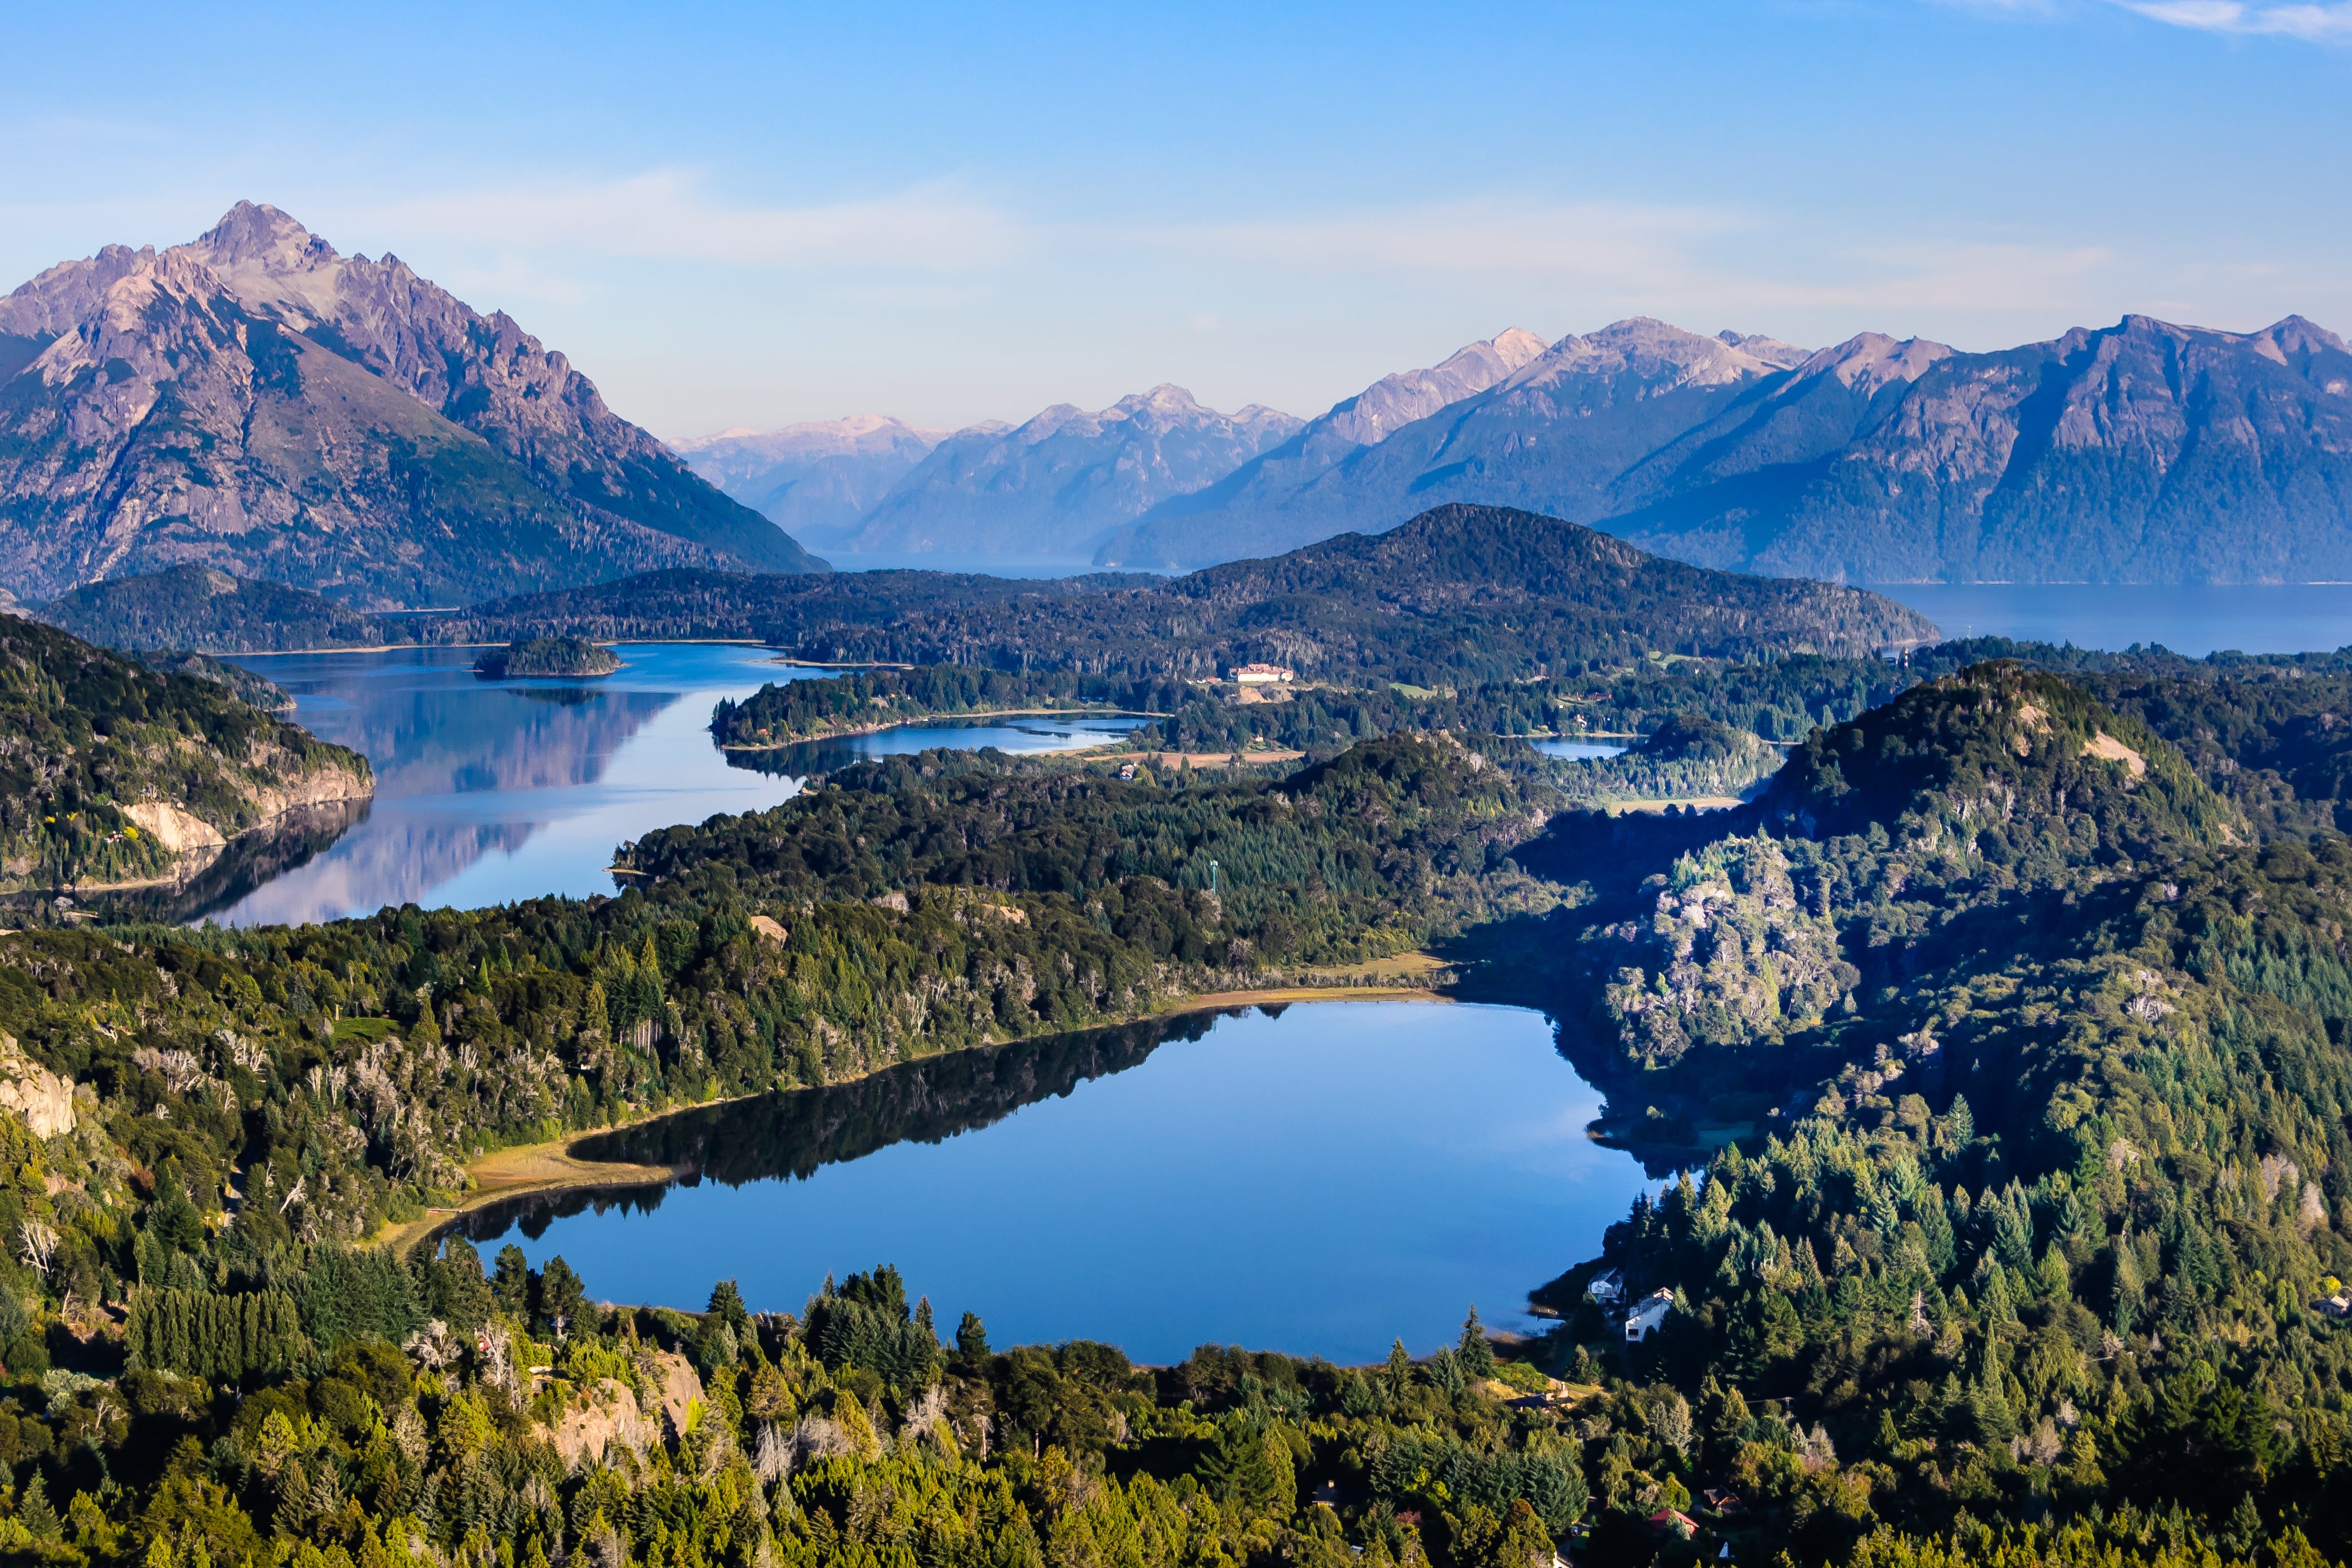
258, 403
2142, 452
255, 402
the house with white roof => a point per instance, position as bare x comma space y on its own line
1648, 1313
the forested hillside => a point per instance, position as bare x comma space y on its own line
1460, 594
111, 773
2034, 1064
210, 611
2005, 1054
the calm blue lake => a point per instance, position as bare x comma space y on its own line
489, 792
1321, 1181
2293, 618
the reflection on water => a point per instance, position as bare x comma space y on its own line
794, 1134
1024, 735
1319, 1180
1578, 750
492, 791
246, 863
487, 792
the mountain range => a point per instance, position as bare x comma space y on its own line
2142, 452
255, 402
1051, 488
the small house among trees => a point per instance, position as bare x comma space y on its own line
1648, 1313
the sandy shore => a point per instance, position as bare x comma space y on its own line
528, 1168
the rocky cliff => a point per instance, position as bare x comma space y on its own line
2144, 452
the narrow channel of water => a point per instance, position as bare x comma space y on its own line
1319, 1179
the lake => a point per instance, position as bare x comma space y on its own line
487, 792
1579, 751
2290, 617
1319, 1179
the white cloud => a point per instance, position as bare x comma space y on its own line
667, 215
2316, 23
1970, 275
1602, 242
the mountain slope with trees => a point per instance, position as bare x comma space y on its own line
1459, 592
112, 772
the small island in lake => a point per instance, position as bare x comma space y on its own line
547, 655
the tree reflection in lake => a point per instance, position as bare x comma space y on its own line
1318, 1182
793, 1133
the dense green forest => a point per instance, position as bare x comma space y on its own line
1995, 1052
546, 657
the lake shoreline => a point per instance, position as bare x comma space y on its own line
545, 1168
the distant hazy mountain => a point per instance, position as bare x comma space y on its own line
1363, 420
257, 403
2145, 452
814, 480
1544, 428
1051, 488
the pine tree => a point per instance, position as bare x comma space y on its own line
510, 1286
33, 1509
727, 1301
1477, 1355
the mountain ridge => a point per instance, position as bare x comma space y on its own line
818, 476
2142, 452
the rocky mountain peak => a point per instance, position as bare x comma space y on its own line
1166, 398
258, 232
1516, 346
2296, 335
1868, 361
1646, 347
324, 420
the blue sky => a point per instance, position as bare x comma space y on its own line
748, 215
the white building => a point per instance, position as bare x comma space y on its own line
1607, 1289
1648, 1313
1263, 674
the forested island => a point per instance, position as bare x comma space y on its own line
546, 656
1997, 1036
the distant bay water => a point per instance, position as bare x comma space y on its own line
2288, 618
490, 791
